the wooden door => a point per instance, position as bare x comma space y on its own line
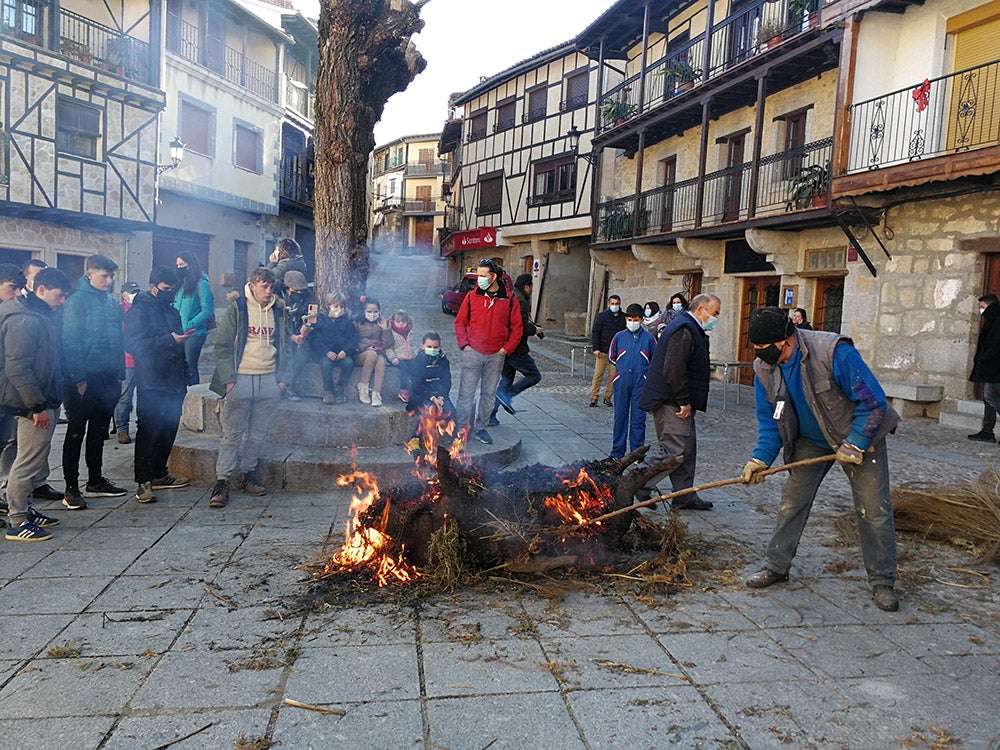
528, 264
734, 180
828, 314
424, 234
759, 291
743, 33
424, 197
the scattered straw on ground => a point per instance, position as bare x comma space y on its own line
445, 569
962, 515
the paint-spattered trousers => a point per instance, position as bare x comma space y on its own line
870, 488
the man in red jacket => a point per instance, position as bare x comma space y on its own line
488, 328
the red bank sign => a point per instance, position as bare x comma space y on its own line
471, 239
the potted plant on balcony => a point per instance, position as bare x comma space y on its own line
683, 72
116, 55
804, 9
770, 34
618, 110
809, 187
76, 50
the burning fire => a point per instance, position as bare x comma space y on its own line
581, 500
365, 542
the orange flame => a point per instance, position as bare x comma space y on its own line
582, 500
366, 543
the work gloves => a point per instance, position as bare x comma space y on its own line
752, 472
849, 454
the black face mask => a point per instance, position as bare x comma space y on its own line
769, 355
165, 297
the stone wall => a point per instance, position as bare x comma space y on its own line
47, 241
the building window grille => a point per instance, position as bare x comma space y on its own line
490, 194
576, 89
506, 115
554, 181
477, 126
78, 128
537, 104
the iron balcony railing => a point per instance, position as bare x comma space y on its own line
84, 40
945, 115
295, 185
787, 181
428, 170
384, 165
189, 42
298, 98
421, 206
732, 41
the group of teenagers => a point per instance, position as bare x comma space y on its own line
815, 399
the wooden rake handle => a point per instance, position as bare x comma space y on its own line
692, 490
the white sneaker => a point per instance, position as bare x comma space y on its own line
376, 398
363, 393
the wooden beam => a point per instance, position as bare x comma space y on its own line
948, 167
845, 95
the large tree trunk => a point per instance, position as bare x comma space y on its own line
365, 56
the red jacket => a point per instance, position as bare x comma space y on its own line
125, 306
489, 323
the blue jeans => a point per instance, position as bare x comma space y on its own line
870, 488
513, 364
123, 411
630, 420
192, 353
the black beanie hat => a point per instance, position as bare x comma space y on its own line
770, 325
633, 311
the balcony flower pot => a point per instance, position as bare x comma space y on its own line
820, 200
770, 35
618, 111
808, 185
76, 50
683, 73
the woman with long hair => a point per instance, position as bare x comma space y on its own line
196, 304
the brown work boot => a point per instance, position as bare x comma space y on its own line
886, 598
123, 438
220, 494
765, 577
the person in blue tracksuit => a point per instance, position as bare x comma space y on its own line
630, 352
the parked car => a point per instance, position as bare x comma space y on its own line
451, 298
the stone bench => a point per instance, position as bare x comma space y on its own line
309, 383
912, 399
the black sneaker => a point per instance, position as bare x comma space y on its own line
103, 488
220, 494
4, 508
494, 422
983, 437
170, 482
73, 500
45, 492
484, 437
504, 400
27, 532
40, 520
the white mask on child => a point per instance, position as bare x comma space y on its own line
632, 325
336, 312
371, 316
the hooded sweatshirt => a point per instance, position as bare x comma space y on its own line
260, 354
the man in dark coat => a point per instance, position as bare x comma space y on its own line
986, 365
94, 368
676, 388
606, 324
30, 384
520, 360
154, 337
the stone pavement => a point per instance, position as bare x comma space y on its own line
139, 625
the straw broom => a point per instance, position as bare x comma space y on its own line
950, 513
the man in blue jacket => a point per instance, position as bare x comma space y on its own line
30, 384
94, 367
816, 397
154, 338
630, 352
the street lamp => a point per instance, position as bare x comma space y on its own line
573, 136
176, 156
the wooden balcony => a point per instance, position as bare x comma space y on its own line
939, 129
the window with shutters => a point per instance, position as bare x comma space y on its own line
477, 125
575, 91
78, 128
537, 104
490, 193
197, 127
506, 115
554, 181
973, 101
248, 147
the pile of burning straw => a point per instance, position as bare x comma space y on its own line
452, 520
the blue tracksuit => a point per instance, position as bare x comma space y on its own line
631, 354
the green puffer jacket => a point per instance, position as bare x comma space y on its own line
92, 339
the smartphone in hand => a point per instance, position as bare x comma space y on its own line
312, 311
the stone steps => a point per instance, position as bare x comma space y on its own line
968, 416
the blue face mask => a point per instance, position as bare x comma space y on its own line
677, 307
615, 308
710, 325
484, 282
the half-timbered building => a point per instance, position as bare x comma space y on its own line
521, 193
80, 99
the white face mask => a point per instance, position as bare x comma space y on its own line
336, 312
371, 316
632, 325
677, 307
982, 310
